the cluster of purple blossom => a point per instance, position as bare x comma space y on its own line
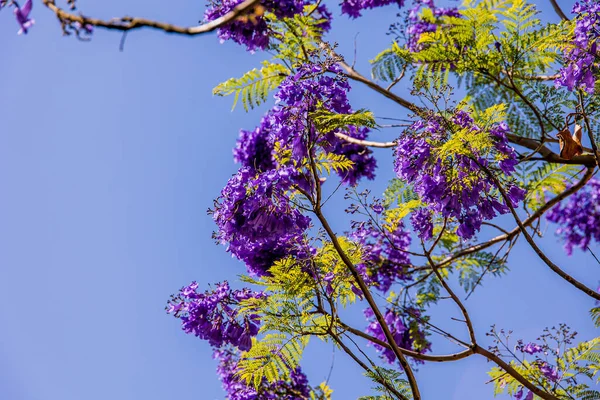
253, 30
256, 219
579, 218
582, 58
296, 388
455, 186
21, 14
551, 373
212, 315
385, 257
354, 7
418, 24
254, 214
404, 328
319, 87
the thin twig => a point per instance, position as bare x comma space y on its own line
558, 10
534, 246
131, 23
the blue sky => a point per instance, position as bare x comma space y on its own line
108, 163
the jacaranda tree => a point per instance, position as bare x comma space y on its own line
460, 161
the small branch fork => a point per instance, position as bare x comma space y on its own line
126, 24
532, 144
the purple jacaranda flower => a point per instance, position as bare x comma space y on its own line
22, 15
549, 372
439, 182
532, 348
529, 396
519, 393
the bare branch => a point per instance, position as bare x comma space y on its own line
366, 143
558, 10
131, 23
551, 203
514, 373
364, 366
534, 246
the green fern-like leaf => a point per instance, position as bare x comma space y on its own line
254, 86
326, 121
271, 358
547, 179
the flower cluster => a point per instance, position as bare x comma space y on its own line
405, 330
253, 30
579, 218
454, 183
21, 14
319, 87
579, 73
212, 316
551, 373
384, 253
296, 388
288, 124
418, 24
354, 7
256, 219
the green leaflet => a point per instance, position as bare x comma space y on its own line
398, 192
389, 64
271, 358
392, 378
327, 121
543, 180
254, 86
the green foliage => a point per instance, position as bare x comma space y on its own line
576, 363
326, 162
327, 121
328, 260
542, 180
595, 314
398, 192
286, 320
394, 216
390, 63
467, 142
321, 392
467, 46
391, 378
254, 86
271, 358
473, 267
296, 37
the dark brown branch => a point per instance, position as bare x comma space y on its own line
588, 128
365, 290
354, 75
590, 292
549, 155
514, 373
532, 144
558, 10
131, 23
364, 366
454, 297
551, 203
425, 357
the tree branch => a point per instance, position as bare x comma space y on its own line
365, 290
558, 10
551, 203
130, 23
513, 372
364, 366
532, 243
